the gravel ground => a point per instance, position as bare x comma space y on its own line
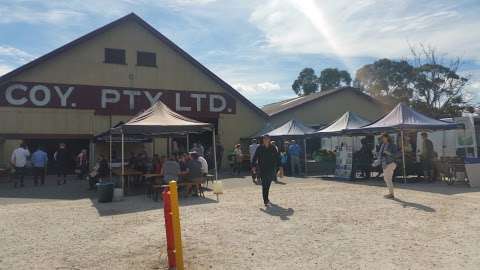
313, 224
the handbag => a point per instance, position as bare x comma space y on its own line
377, 163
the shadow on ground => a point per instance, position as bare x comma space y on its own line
141, 203
413, 205
278, 211
435, 187
74, 190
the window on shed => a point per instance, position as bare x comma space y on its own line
147, 59
115, 56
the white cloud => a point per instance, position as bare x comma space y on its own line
5, 69
367, 28
257, 88
15, 55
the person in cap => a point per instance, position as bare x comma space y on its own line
427, 156
267, 160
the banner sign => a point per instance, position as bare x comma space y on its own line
113, 100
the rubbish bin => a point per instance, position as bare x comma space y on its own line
105, 191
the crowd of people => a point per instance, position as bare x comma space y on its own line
290, 156
363, 158
24, 162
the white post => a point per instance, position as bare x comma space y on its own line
123, 162
403, 158
110, 156
215, 153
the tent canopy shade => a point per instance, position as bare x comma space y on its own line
402, 117
291, 128
159, 120
347, 121
108, 135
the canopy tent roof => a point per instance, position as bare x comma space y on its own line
290, 128
115, 137
267, 128
402, 117
160, 120
347, 121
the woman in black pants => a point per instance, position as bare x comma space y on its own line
267, 160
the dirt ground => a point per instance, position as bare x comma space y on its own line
313, 224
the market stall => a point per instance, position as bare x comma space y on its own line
292, 129
160, 121
404, 119
345, 144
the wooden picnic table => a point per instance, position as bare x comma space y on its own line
127, 177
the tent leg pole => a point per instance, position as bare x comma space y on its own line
123, 163
214, 153
188, 143
305, 154
403, 158
110, 160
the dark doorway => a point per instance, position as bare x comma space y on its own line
73, 146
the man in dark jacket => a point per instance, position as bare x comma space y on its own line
62, 161
267, 160
427, 157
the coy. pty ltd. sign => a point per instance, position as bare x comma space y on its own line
113, 100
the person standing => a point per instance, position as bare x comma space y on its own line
39, 162
252, 148
427, 157
61, 160
294, 154
387, 155
219, 157
237, 159
19, 162
267, 159
82, 163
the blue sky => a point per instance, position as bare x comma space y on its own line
259, 46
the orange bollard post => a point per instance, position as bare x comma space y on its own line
169, 229
176, 225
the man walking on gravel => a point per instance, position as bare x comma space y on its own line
267, 160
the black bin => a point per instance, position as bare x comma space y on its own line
105, 191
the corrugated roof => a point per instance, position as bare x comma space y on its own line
285, 105
134, 17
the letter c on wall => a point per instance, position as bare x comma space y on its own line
9, 94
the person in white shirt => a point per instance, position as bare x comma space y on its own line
19, 162
204, 165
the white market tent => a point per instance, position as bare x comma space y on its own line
161, 121
403, 118
347, 121
291, 128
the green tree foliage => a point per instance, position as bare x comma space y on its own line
386, 77
439, 89
331, 78
426, 82
306, 82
